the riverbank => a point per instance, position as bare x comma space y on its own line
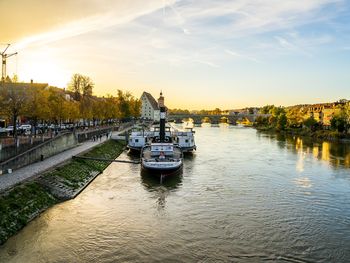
325, 135
19, 205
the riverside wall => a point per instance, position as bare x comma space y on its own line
49, 148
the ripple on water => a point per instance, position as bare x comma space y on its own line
242, 197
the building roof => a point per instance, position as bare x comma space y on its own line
152, 100
22, 85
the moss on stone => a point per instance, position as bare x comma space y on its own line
20, 205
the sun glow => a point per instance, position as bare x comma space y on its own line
43, 66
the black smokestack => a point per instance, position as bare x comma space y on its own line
162, 118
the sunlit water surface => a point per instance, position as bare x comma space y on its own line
242, 197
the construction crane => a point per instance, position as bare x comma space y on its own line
5, 56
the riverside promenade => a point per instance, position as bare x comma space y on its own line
33, 170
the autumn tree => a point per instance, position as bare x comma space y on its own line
135, 105
58, 109
14, 103
310, 123
38, 108
75, 86
82, 88
295, 117
72, 111
266, 109
123, 104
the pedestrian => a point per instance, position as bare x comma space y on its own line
106, 135
100, 137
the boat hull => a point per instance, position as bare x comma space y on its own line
188, 149
134, 149
161, 166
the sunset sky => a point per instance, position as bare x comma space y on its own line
202, 54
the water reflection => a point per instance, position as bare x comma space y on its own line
161, 189
238, 199
335, 154
152, 182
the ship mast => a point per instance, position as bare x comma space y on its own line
162, 118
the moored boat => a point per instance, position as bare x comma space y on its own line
185, 139
162, 157
162, 154
139, 138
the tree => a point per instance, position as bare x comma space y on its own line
135, 107
310, 123
266, 109
339, 122
281, 121
75, 86
216, 111
82, 88
347, 115
15, 78
38, 108
58, 110
123, 104
295, 117
261, 121
14, 103
72, 110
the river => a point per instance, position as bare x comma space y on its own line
244, 196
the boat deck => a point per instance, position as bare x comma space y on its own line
155, 156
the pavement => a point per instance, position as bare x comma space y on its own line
31, 171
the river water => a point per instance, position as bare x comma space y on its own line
243, 196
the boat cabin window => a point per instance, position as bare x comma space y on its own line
162, 148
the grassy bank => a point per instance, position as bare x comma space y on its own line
24, 202
77, 172
20, 205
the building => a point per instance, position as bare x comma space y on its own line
323, 112
149, 109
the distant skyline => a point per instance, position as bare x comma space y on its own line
201, 54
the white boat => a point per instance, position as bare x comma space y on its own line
155, 131
161, 157
185, 139
162, 154
138, 138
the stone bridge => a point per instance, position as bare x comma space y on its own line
215, 119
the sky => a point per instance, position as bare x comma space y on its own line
201, 54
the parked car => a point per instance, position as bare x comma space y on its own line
25, 127
10, 128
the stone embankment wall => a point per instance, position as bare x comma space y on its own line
51, 147
8, 151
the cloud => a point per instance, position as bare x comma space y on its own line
140, 36
243, 17
208, 63
32, 22
235, 54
